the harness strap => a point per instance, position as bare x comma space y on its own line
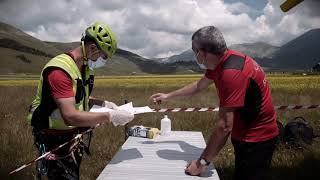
77, 145
42, 165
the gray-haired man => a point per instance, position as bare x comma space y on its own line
246, 109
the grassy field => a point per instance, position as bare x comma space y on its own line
17, 144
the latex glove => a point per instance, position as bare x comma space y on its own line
110, 105
120, 117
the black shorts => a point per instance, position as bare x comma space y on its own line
252, 160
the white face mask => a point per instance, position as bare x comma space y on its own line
202, 66
100, 62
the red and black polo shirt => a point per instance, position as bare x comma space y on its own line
241, 84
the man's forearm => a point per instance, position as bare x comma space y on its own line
80, 118
73, 117
216, 142
221, 133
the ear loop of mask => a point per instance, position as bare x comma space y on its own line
83, 72
196, 58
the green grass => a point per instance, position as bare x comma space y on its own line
17, 144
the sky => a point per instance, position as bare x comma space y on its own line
161, 28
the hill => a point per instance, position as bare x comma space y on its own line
124, 62
300, 53
119, 65
256, 50
22, 53
25, 54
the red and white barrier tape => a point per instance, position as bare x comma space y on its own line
208, 109
197, 109
77, 137
290, 107
44, 155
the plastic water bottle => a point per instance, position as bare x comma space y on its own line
165, 126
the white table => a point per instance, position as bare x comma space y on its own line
163, 158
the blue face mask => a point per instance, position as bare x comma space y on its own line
100, 62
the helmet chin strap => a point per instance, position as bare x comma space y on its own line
84, 73
85, 62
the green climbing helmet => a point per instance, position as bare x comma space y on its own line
104, 38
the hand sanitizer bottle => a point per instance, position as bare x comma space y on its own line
165, 126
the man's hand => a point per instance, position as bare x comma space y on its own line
195, 168
110, 105
159, 97
120, 117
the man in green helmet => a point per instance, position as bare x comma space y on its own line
60, 110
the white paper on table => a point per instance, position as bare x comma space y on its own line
126, 107
140, 110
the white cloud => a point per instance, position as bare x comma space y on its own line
238, 8
159, 27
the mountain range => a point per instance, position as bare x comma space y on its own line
299, 54
22, 53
